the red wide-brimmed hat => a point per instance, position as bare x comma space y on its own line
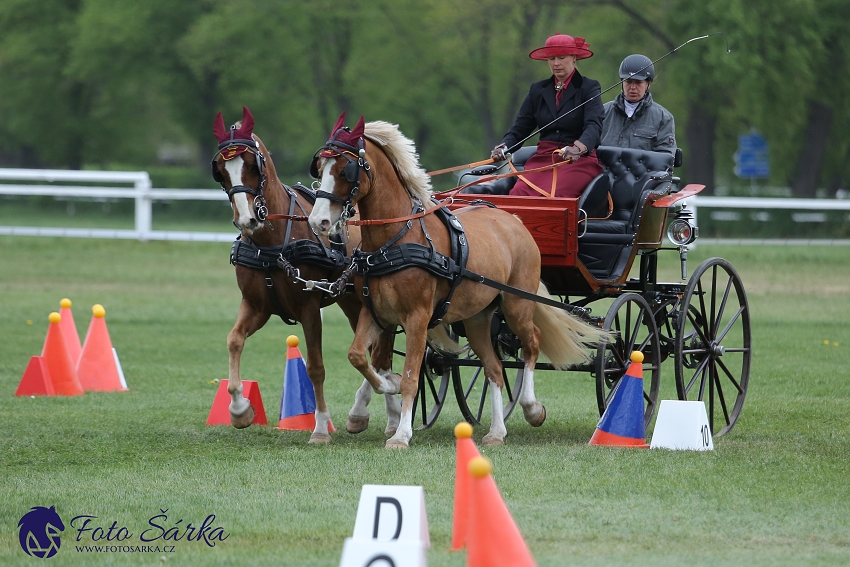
562, 45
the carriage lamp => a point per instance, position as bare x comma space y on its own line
682, 232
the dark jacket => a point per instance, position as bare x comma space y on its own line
538, 109
651, 127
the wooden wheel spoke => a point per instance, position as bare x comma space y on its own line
697, 329
433, 389
472, 383
507, 385
713, 312
722, 307
731, 378
635, 330
483, 398
699, 369
720, 396
729, 325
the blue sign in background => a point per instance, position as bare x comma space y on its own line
751, 159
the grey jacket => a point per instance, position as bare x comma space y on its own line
651, 127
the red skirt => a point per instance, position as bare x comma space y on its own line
571, 178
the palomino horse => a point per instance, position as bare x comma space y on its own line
410, 263
270, 284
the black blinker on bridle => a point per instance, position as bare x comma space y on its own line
351, 172
254, 147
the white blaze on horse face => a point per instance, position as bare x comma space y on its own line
244, 208
320, 219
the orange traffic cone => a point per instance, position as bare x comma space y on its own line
465, 452
58, 362
622, 423
69, 330
493, 537
220, 410
36, 379
98, 367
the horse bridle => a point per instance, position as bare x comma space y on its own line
352, 171
252, 146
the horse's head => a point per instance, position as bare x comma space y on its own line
240, 166
339, 166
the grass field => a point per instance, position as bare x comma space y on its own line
775, 491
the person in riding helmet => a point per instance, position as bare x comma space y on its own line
633, 119
568, 143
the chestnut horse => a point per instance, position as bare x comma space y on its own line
376, 167
244, 167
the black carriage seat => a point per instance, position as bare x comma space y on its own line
605, 245
503, 186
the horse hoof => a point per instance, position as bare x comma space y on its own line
320, 438
396, 444
356, 423
538, 420
244, 420
492, 441
390, 431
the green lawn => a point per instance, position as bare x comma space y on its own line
775, 491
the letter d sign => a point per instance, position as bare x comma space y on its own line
392, 513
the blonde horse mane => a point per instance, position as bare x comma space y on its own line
402, 154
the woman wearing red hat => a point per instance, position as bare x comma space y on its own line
572, 140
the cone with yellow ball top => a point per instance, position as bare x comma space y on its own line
465, 451
98, 368
69, 330
298, 399
622, 423
493, 537
58, 363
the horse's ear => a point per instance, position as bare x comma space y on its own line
340, 122
357, 132
218, 127
247, 123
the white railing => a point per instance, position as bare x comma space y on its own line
144, 195
765, 203
141, 192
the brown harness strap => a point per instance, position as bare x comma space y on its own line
459, 167
453, 192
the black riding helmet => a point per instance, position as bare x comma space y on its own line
638, 67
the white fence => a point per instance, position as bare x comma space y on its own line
803, 206
141, 191
144, 195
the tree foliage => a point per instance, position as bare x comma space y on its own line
97, 82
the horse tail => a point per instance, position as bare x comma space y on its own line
564, 339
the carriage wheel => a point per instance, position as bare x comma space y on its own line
630, 318
434, 379
470, 383
712, 349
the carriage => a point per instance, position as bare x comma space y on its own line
588, 247
472, 265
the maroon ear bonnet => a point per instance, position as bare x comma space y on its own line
243, 133
342, 135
